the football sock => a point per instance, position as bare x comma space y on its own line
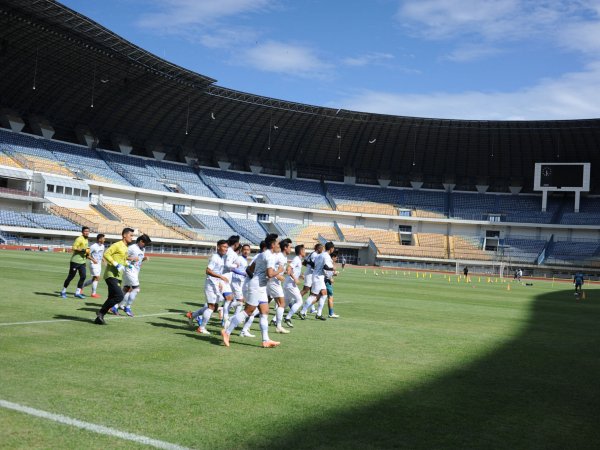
321, 304
279, 315
132, 295
226, 305
206, 316
77, 291
331, 311
264, 327
94, 286
250, 321
123, 303
236, 320
293, 310
308, 303
199, 312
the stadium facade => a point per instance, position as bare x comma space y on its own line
99, 132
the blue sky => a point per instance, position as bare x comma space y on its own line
467, 59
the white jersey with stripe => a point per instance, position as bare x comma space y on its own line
324, 259
277, 261
215, 263
134, 267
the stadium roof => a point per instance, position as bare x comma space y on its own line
56, 63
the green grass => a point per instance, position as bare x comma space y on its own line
412, 363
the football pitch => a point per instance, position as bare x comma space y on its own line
413, 362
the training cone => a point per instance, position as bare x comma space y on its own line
508, 287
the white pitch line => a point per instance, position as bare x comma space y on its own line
108, 317
100, 429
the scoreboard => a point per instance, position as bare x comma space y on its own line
562, 177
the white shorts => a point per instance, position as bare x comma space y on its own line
308, 279
238, 291
256, 296
292, 294
212, 293
130, 280
318, 284
95, 269
226, 287
275, 290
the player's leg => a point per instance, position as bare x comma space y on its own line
264, 324
332, 313
294, 298
70, 276
82, 270
322, 299
115, 295
213, 295
237, 319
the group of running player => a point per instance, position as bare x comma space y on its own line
123, 264
231, 282
248, 288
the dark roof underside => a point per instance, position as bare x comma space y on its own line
74, 63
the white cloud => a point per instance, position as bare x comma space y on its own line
471, 52
178, 15
490, 24
289, 59
368, 59
572, 96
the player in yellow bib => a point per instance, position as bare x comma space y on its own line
80, 254
116, 260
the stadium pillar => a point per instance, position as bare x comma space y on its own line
349, 179
85, 136
482, 188
416, 185
159, 155
544, 200
224, 165
41, 127
122, 143
10, 119
255, 169
384, 182
577, 200
449, 187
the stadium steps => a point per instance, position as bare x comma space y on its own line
189, 234
191, 222
104, 211
212, 186
339, 231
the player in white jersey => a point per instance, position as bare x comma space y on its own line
274, 287
246, 328
329, 274
309, 262
318, 290
96, 252
259, 273
213, 287
293, 297
136, 256
230, 266
238, 278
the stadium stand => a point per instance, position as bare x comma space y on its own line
572, 253
469, 247
138, 219
523, 249
89, 217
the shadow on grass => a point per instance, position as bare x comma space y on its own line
89, 309
539, 390
73, 318
176, 310
49, 294
198, 305
98, 305
215, 339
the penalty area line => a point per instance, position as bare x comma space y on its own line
100, 429
107, 317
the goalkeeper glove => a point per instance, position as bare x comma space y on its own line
120, 267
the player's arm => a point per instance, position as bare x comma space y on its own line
109, 257
250, 270
214, 274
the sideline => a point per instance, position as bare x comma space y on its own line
100, 429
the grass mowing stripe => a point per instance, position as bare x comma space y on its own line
35, 322
100, 429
